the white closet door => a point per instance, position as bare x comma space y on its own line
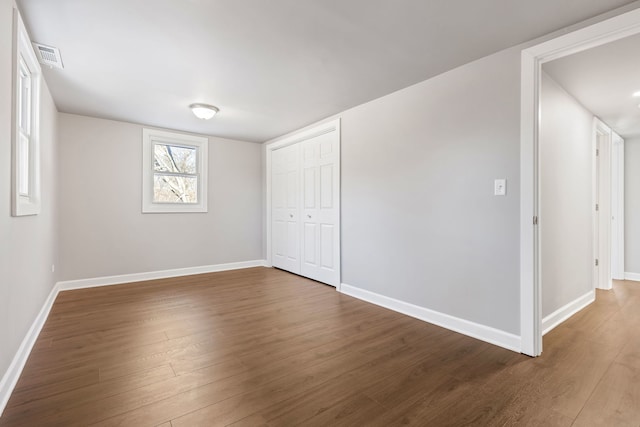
320, 209
285, 208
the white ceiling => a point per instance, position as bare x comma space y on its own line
603, 79
270, 66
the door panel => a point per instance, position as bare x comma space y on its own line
310, 230
326, 186
292, 241
305, 207
310, 188
326, 149
326, 237
279, 235
292, 189
285, 192
321, 157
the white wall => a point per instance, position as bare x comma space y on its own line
102, 229
27, 244
420, 222
566, 229
632, 206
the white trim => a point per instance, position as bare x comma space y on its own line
10, 378
565, 312
632, 276
595, 217
153, 275
269, 147
602, 139
200, 143
28, 204
617, 206
530, 308
609, 30
465, 327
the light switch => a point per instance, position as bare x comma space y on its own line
500, 187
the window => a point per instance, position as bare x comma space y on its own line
25, 137
174, 172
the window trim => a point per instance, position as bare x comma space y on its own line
151, 136
23, 54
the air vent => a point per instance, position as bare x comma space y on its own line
48, 55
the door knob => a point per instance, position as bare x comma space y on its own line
290, 215
308, 216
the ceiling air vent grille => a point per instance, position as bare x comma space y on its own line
48, 55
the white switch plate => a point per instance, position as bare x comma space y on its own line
500, 187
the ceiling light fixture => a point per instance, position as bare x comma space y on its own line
637, 94
204, 111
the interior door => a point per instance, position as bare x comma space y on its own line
602, 229
320, 212
285, 208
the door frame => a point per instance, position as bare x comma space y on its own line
532, 58
294, 138
617, 207
602, 226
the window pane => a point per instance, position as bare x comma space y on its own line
24, 98
170, 158
23, 165
174, 189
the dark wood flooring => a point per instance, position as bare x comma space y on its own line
261, 347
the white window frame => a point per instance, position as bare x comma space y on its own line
25, 203
151, 137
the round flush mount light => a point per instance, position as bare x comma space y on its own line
636, 94
204, 111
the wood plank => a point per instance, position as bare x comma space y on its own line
299, 408
254, 420
615, 401
45, 408
357, 410
212, 404
262, 347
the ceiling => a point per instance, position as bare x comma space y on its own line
604, 79
270, 66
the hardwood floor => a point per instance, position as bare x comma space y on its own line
261, 347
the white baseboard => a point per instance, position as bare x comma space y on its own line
153, 275
10, 378
632, 276
563, 313
465, 327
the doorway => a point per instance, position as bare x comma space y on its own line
598, 34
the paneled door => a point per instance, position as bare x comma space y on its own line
285, 204
305, 203
320, 212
